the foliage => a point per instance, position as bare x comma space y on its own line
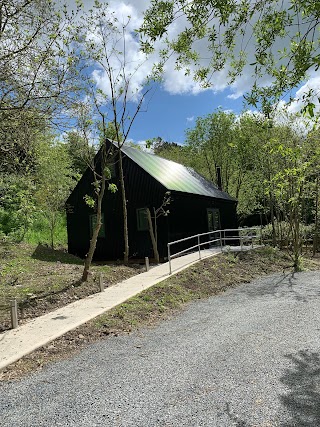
39, 232
80, 153
285, 232
53, 181
210, 141
17, 206
227, 29
20, 132
37, 57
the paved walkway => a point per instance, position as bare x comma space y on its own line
16, 343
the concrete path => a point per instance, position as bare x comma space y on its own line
16, 343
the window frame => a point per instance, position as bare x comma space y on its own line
142, 222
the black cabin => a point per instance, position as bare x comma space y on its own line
196, 206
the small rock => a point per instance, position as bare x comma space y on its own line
81, 337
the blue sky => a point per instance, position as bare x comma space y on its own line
169, 115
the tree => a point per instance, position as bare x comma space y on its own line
284, 37
157, 212
99, 165
53, 181
20, 132
212, 138
80, 152
17, 205
37, 57
313, 145
117, 101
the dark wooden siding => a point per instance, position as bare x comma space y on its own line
188, 216
141, 191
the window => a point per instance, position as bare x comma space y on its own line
142, 219
213, 216
93, 222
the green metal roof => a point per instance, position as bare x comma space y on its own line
174, 176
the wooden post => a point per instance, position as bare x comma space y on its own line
101, 285
146, 259
14, 313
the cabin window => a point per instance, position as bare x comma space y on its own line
93, 222
142, 219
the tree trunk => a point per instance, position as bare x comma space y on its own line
51, 238
93, 241
124, 211
52, 228
296, 240
153, 239
274, 236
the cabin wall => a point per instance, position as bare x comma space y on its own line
141, 191
188, 217
78, 217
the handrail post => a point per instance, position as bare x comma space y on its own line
169, 259
220, 235
147, 265
14, 313
101, 284
241, 242
199, 246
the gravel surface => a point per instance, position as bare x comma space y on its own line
249, 357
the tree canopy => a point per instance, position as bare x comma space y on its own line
276, 41
37, 58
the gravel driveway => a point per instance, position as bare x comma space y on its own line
249, 357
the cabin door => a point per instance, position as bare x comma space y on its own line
213, 216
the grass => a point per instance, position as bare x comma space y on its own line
39, 232
42, 279
24, 266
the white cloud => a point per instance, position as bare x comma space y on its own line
190, 119
178, 81
311, 91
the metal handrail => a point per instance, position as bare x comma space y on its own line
222, 239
